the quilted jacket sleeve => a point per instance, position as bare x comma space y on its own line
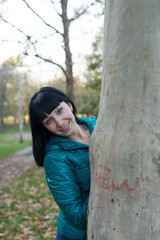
65, 190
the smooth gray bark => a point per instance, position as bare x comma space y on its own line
125, 145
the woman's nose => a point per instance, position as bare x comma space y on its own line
59, 122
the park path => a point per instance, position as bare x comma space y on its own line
16, 165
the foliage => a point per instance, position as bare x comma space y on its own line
93, 76
94, 63
9, 83
6, 73
13, 86
28, 210
86, 100
102, 3
9, 88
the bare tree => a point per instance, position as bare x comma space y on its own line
62, 12
125, 146
21, 77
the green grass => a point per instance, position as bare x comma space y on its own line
10, 147
11, 129
28, 210
9, 142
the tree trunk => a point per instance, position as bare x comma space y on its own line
2, 99
69, 63
21, 78
125, 145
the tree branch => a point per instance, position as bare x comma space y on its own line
55, 8
50, 35
6, 40
27, 36
33, 44
42, 19
81, 11
2, 1
49, 61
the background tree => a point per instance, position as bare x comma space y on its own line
32, 42
86, 99
6, 73
94, 63
93, 77
12, 93
125, 152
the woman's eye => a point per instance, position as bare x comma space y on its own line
59, 111
48, 121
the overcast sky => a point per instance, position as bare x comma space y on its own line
82, 34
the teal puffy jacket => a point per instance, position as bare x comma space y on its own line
67, 172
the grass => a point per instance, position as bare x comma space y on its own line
10, 147
9, 142
11, 129
28, 210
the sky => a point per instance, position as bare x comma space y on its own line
82, 34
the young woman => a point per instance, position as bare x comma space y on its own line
61, 146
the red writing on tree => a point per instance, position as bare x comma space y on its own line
109, 183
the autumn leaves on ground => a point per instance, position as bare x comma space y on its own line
27, 209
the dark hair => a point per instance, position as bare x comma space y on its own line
42, 103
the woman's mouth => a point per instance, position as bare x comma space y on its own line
66, 128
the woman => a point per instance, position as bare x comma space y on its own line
61, 146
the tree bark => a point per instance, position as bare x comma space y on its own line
68, 55
2, 100
125, 145
21, 79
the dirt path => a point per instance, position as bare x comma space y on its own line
14, 166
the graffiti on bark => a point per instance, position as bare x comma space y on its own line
108, 183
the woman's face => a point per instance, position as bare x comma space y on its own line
61, 121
